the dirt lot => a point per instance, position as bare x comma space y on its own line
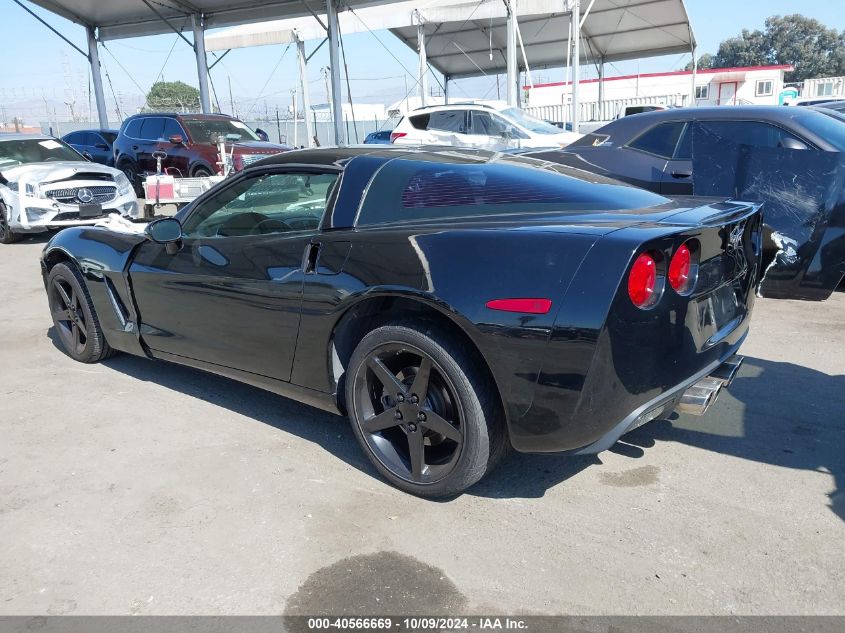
137, 487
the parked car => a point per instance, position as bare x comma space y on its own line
655, 150
452, 304
190, 142
811, 101
629, 110
382, 137
95, 145
46, 184
481, 126
836, 106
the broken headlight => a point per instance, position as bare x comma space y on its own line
124, 187
31, 189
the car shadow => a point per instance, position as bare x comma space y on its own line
777, 413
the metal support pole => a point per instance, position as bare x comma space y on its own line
513, 71
693, 101
576, 64
306, 93
601, 89
422, 72
202, 64
97, 79
334, 69
446, 89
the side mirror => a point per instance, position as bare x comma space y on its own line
164, 231
176, 139
102, 146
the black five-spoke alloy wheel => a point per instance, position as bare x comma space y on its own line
73, 314
422, 411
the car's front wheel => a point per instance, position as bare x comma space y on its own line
7, 236
424, 411
74, 316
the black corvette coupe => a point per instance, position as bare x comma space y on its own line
453, 303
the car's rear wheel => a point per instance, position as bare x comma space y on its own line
74, 316
424, 412
202, 172
130, 170
7, 236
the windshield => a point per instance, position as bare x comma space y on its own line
15, 152
209, 130
830, 127
530, 123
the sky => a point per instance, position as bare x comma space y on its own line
41, 73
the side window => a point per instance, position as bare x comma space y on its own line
420, 121
172, 128
684, 151
484, 124
660, 140
133, 128
448, 121
753, 133
151, 128
263, 204
90, 139
74, 139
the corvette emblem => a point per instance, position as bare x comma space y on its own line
84, 195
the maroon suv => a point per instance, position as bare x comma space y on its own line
190, 142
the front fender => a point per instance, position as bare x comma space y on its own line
102, 256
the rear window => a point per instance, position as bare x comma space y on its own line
411, 190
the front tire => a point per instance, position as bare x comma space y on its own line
201, 172
7, 236
74, 316
424, 411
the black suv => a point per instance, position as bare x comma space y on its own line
190, 142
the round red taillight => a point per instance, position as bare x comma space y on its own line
642, 280
679, 269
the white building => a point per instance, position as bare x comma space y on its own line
824, 87
713, 86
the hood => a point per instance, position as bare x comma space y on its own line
258, 147
58, 170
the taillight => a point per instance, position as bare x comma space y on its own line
395, 135
642, 281
680, 268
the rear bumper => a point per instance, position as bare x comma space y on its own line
693, 396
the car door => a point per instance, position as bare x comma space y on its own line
77, 141
151, 130
449, 127
677, 175
98, 149
643, 159
231, 296
178, 154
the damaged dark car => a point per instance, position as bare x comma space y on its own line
790, 159
454, 304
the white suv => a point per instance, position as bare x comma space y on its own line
492, 127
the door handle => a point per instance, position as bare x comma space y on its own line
134, 147
309, 258
681, 174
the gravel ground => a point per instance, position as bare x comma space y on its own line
138, 487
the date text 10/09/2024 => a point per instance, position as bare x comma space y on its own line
416, 623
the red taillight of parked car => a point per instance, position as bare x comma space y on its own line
395, 135
680, 268
642, 281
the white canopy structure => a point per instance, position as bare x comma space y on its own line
466, 38
459, 38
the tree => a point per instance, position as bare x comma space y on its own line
704, 61
173, 95
805, 43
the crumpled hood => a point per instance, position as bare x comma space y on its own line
58, 170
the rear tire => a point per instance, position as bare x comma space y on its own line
424, 411
74, 317
202, 172
7, 236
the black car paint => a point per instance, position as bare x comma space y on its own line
569, 380
802, 191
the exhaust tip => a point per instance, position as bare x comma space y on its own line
698, 398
